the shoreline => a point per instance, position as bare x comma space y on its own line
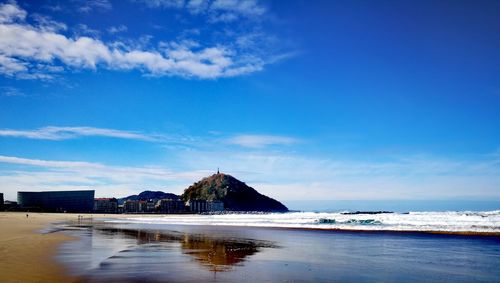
326, 229
341, 230
444, 233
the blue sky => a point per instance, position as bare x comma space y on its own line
341, 100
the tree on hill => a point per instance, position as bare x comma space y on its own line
147, 195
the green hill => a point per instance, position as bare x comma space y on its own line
236, 195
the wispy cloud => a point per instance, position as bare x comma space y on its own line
92, 169
11, 66
290, 176
11, 91
214, 10
262, 162
231, 10
117, 29
279, 175
84, 30
197, 6
56, 133
87, 6
109, 180
64, 133
259, 141
45, 23
53, 8
163, 3
32, 51
47, 163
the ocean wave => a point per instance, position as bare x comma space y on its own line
350, 221
452, 221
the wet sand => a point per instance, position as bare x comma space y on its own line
26, 255
131, 252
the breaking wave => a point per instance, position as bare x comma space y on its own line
452, 221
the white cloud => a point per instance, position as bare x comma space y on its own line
11, 66
231, 10
215, 10
64, 133
90, 5
11, 12
163, 3
23, 46
117, 29
259, 141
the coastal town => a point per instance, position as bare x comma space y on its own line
84, 202
209, 195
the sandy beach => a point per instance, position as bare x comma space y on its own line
111, 251
26, 255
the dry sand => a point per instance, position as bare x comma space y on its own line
26, 255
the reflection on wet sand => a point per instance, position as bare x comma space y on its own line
157, 253
216, 254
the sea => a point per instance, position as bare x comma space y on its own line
393, 205
355, 244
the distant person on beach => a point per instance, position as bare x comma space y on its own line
26, 215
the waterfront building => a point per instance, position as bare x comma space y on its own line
170, 206
106, 205
150, 206
142, 206
57, 201
131, 206
137, 206
215, 205
10, 205
1, 202
199, 206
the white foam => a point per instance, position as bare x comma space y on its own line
463, 221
